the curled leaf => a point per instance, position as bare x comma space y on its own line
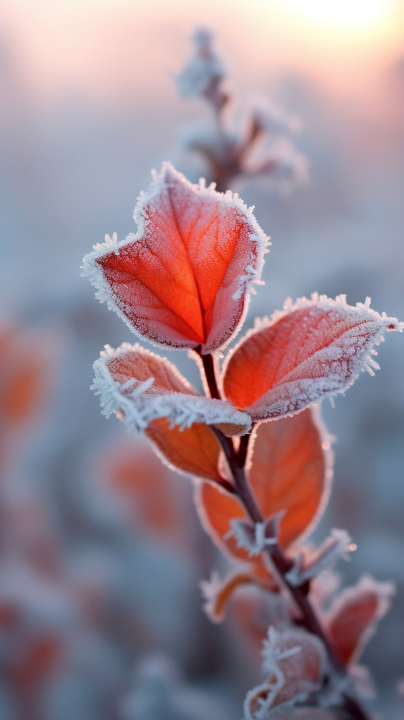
314, 349
184, 279
295, 662
141, 387
217, 593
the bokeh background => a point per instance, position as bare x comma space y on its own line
101, 552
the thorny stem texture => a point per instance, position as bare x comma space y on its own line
236, 461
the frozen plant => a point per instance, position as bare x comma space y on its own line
254, 442
250, 140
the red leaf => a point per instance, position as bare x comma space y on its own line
352, 619
216, 509
193, 450
291, 470
183, 280
314, 349
142, 387
146, 485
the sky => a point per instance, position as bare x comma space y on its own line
76, 45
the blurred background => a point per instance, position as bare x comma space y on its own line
101, 552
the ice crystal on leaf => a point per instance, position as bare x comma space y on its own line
184, 279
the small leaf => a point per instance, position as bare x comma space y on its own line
217, 593
294, 661
141, 387
315, 349
352, 618
184, 279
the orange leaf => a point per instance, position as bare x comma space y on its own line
194, 450
353, 616
291, 471
216, 508
183, 280
25, 367
142, 387
218, 593
146, 485
314, 349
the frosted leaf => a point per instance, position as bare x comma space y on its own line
352, 619
314, 349
203, 74
308, 565
184, 279
295, 662
217, 593
290, 469
141, 387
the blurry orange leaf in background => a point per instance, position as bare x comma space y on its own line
25, 361
29, 668
147, 488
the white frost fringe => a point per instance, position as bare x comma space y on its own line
140, 408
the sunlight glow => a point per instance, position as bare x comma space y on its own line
342, 13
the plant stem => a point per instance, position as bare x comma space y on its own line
236, 462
